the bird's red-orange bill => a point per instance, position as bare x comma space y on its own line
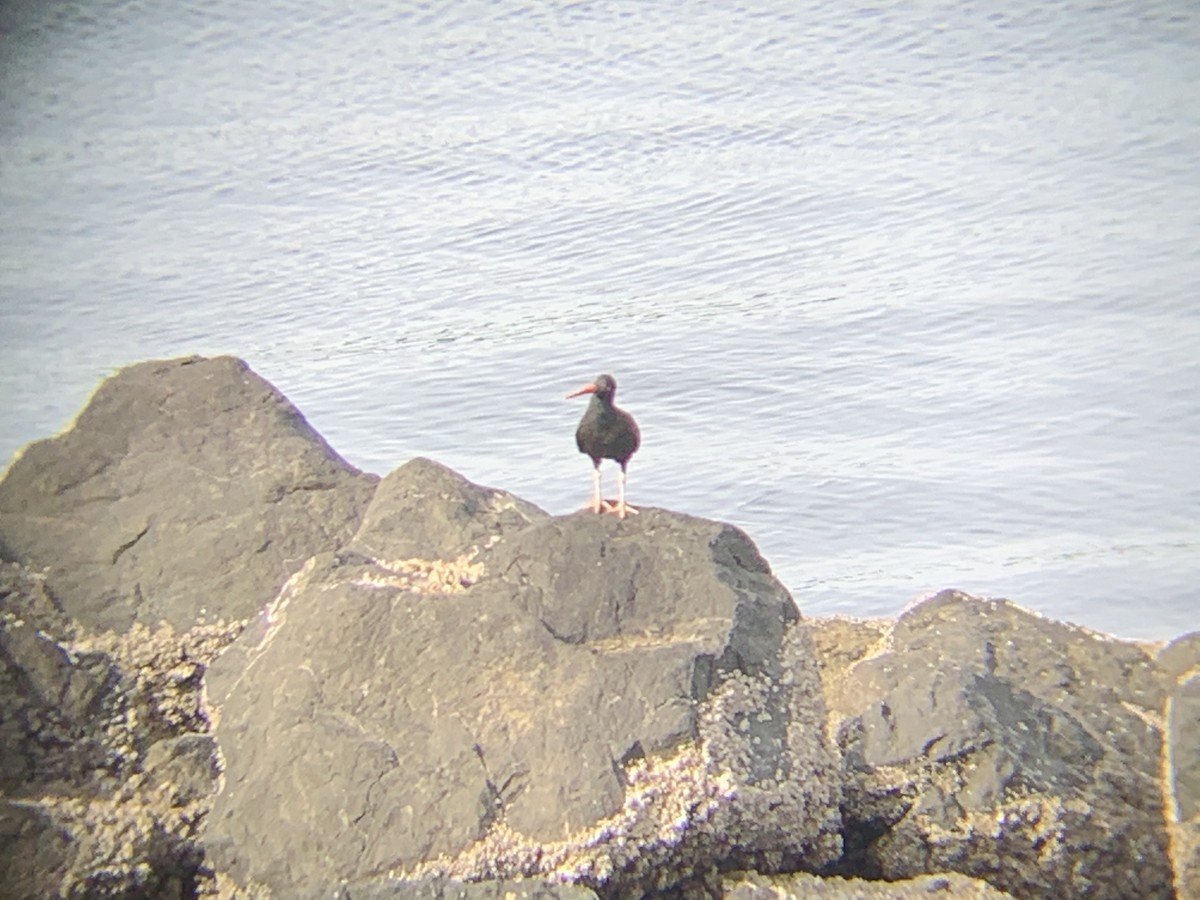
586, 389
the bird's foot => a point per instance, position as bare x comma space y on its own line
621, 509
610, 506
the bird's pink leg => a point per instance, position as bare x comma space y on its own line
622, 508
597, 503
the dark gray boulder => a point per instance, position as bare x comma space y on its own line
581, 698
54, 700
105, 788
35, 853
186, 767
983, 739
185, 489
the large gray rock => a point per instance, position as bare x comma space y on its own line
986, 740
185, 488
1181, 660
581, 698
1184, 729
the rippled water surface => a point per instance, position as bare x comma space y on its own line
913, 296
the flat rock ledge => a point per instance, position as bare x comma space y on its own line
235, 666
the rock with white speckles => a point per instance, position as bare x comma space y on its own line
753, 886
445, 889
609, 702
983, 739
80, 713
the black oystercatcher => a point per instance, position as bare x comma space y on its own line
606, 432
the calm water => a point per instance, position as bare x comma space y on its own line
913, 295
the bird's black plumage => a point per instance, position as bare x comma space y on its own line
606, 432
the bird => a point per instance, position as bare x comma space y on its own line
606, 432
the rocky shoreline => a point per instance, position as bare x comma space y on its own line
235, 666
